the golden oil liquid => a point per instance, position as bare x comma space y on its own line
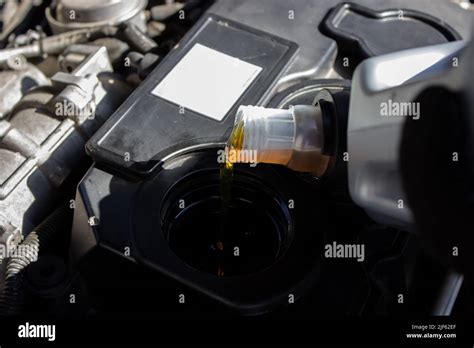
226, 177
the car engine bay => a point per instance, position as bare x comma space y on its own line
109, 187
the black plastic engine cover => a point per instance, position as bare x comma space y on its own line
148, 128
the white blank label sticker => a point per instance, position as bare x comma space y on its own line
207, 81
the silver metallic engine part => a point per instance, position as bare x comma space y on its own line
396, 79
73, 14
10, 237
81, 87
162, 12
57, 43
16, 81
42, 141
14, 13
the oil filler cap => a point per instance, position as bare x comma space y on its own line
361, 33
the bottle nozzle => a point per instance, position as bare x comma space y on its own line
267, 132
291, 137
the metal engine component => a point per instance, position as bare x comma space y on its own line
162, 12
13, 14
42, 141
16, 81
81, 87
57, 43
73, 14
10, 237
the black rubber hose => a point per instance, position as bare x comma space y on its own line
11, 297
27, 252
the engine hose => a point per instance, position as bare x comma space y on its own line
27, 252
11, 298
